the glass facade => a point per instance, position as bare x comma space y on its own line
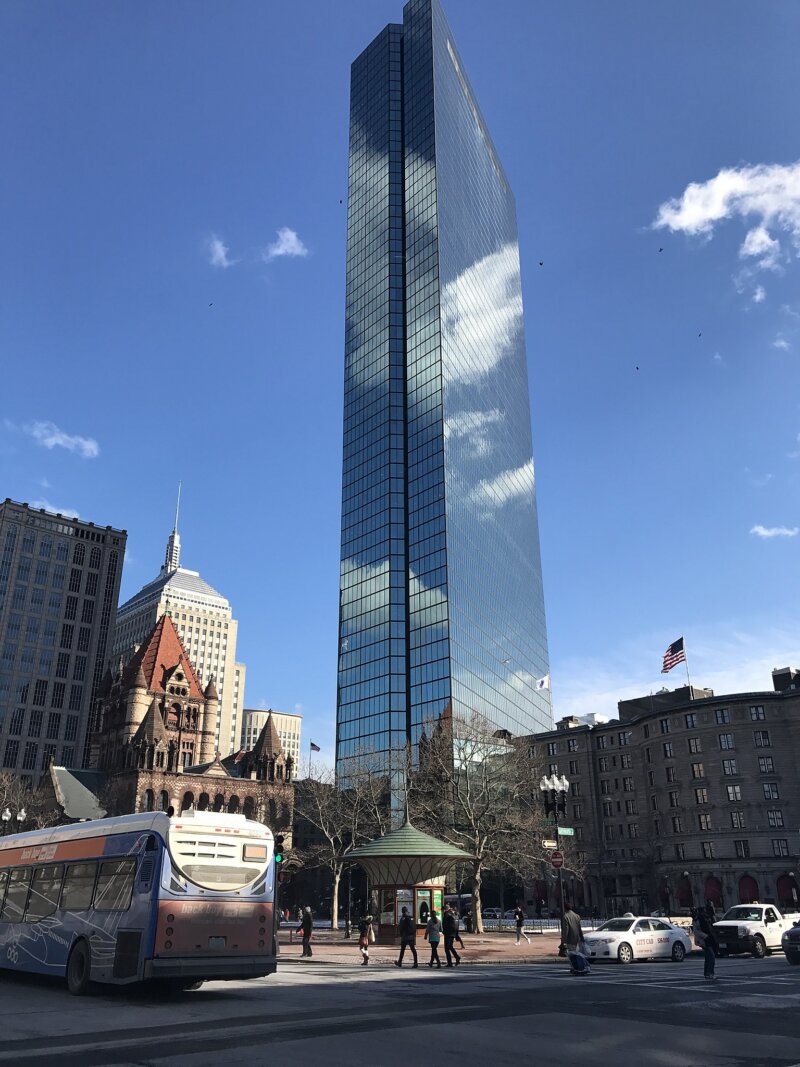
441, 601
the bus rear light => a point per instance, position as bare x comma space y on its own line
261, 943
167, 944
170, 918
169, 931
261, 930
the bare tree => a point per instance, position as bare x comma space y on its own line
17, 797
476, 789
340, 818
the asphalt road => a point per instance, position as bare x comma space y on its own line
659, 1014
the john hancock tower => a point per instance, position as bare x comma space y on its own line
441, 602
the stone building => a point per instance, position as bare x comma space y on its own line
288, 724
687, 797
205, 623
154, 740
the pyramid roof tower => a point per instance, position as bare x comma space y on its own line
269, 743
151, 729
161, 656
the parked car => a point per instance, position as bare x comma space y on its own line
491, 913
790, 943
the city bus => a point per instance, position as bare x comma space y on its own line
177, 899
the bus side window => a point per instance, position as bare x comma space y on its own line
115, 885
3, 880
78, 887
16, 895
45, 889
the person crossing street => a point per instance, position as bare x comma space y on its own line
450, 933
408, 937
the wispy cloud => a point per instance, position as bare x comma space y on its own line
219, 253
474, 428
508, 486
766, 532
781, 342
50, 436
717, 358
759, 294
68, 513
795, 453
732, 659
286, 243
760, 246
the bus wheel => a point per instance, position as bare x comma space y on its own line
79, 970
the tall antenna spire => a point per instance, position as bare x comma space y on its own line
172, 560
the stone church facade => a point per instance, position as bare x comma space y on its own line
154, 740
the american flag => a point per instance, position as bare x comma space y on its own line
674, 654
313, 747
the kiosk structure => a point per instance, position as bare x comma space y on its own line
406, 868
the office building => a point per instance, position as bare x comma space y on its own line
686, 798
289, 727
205, 623
441, 600
59, 586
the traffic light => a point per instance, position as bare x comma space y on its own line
278, 850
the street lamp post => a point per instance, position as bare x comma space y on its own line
554, 795
6, 818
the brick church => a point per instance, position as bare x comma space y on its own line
153, 745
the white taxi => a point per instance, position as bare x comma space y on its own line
637, 938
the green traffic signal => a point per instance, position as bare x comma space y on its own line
279, 849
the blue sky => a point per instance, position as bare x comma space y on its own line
171, 307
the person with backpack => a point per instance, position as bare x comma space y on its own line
433, 935
450, 932
306, 926
408, 937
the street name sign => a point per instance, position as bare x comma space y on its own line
566, 831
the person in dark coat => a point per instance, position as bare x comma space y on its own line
450, 933
306, 926
705, 938
408, 937
571, 931
519, 922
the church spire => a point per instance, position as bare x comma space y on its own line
172, 560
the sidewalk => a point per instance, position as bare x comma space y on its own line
498, 948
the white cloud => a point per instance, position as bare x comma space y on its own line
796, 453
298, 708
767, 532
768, 192
482, 314
759, 294
287, 243
735, 659
787, 309
781, 342
760, 246
508, 486
68, 513
50, 436
717, 357
218, 253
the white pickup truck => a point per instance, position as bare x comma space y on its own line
754, 928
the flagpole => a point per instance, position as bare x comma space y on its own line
686, 661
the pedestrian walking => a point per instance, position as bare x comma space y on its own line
519, 919
306, 926
433, 935
450, 933
571, 930
408, 937
705, 939
365, 935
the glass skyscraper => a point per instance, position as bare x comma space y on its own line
441, 602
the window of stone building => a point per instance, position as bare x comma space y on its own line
734, 792
630, 807
654, 802
677, 824
626, 762
667, 747
651, 778
704, 822
771, 791
761, 738
573, 765
729, 767
627, 785
608, 808
757, 713
674, 799
664, 725
691, 721
722, 716
670, 773
737, 820
695, 745
766, 765
701, 796
775, 819
726, 741
708, 850
742, 849
602, 741
780, 846
697, 770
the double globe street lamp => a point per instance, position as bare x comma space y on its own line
554, 794
6, 818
